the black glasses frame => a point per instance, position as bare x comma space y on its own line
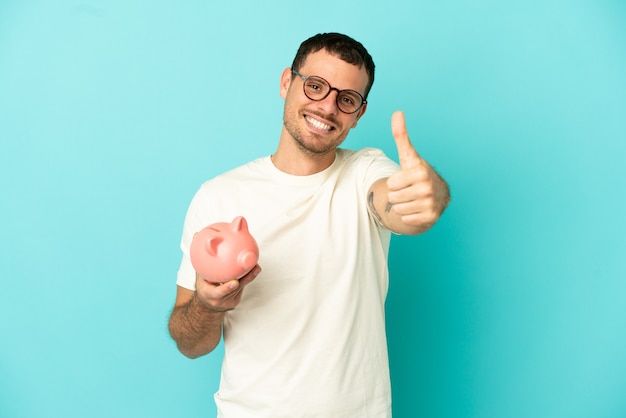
330, 88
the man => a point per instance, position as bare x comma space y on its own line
305, 336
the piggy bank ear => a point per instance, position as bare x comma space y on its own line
239, 224
212, 244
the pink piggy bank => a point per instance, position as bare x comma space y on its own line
224, 251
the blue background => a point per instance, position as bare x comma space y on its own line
112, 113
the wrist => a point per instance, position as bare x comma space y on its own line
197, 303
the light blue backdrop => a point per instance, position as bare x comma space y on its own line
113, 112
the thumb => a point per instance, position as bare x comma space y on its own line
409, 158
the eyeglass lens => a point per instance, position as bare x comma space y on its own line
316, 88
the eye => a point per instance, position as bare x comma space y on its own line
348, 100
316, 86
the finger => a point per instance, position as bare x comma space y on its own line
216, 290
250, 276
409, 158
224, 289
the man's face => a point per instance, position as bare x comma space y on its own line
319, 127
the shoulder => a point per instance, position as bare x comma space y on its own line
367, 157
250, 170
361, 154
364, 167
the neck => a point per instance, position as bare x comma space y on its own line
302, 164
290, 158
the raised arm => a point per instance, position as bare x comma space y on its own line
411, 200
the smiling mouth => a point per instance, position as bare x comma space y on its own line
317, 124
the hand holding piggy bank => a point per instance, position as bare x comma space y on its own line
224, 251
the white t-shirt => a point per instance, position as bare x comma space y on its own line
308, 337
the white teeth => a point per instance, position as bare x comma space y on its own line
318, 124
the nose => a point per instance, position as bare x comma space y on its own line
329, 103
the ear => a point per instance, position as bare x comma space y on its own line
212, 244
239, 224
285, 82
360, 113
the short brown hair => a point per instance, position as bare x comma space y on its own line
344, 47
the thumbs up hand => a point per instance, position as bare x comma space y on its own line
417, 195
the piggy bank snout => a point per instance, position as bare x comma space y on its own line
247, 259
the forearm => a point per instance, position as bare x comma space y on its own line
196, 328
383, 210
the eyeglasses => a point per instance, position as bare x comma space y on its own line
316, 88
